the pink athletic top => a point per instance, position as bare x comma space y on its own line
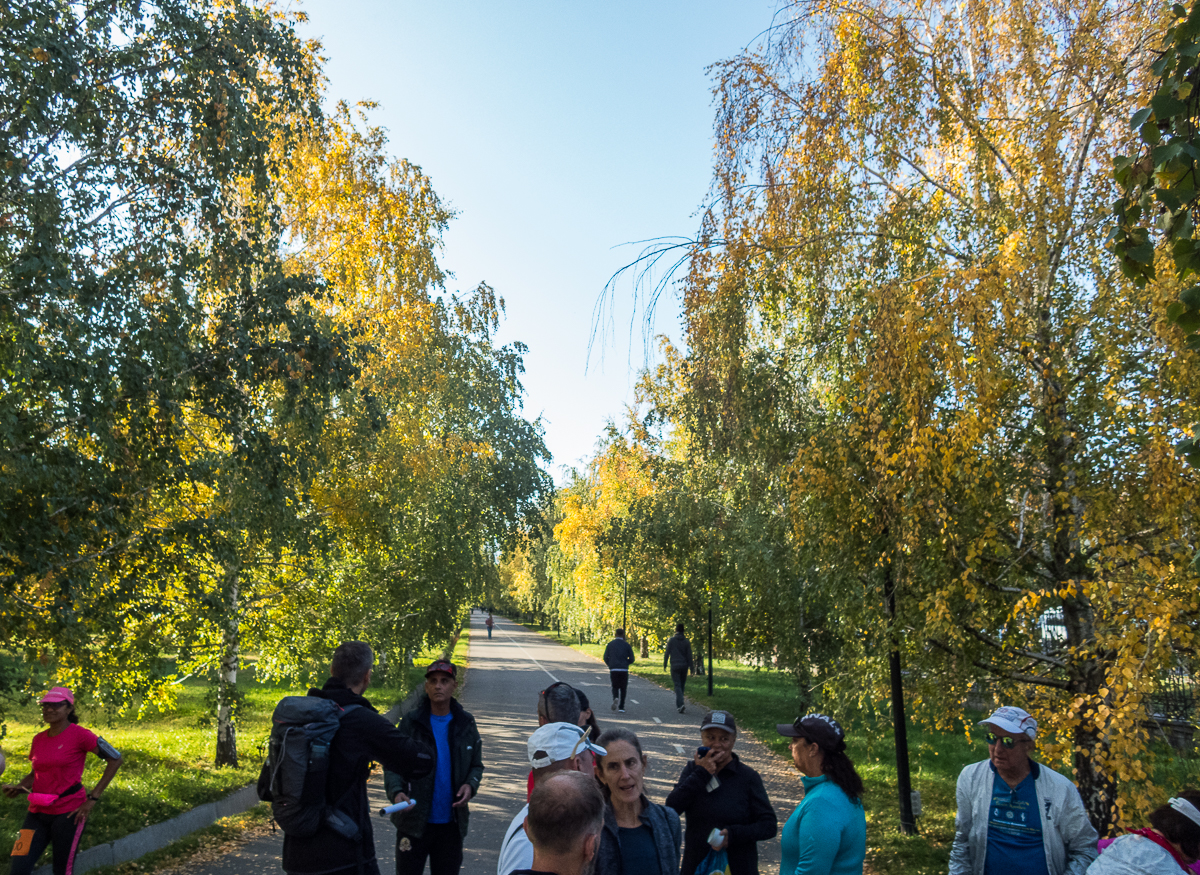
58, 765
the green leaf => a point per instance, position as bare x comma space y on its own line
1165, 104
1140, 117
1190, 298
1175, 309
1189, 320
1150, 133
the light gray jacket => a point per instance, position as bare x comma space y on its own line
1134, 855
1067, 835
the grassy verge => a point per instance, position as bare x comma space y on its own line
761, 698
168, 756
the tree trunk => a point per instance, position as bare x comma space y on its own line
227, 678
1071, 573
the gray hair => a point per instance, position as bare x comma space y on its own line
351, 662
559, 704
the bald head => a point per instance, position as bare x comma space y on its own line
564, 810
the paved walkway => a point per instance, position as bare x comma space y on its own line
501, 689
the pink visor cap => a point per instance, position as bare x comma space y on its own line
57, 694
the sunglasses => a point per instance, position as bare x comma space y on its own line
1008, 742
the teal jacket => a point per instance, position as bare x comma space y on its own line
826, 834
466, 767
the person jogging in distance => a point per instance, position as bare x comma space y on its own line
59, 805
618, 656
489, 622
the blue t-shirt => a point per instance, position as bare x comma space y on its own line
443, 794
1014, 842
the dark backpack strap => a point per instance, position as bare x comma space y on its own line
71, 791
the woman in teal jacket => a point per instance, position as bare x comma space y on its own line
827, 833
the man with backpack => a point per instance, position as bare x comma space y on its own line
435, 826
332, 741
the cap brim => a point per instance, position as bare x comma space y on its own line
787, 729
724, 726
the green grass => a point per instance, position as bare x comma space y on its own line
168, 756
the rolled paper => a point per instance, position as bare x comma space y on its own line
399, 806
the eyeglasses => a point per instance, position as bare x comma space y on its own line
1008, 742
54, 704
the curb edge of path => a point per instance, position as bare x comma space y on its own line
157, 836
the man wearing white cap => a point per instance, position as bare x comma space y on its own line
1015, 815
554, 747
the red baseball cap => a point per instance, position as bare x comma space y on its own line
443, 665
57, 694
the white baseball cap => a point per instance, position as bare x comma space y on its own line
1014, 720
555, 742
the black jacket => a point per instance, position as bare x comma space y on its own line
739, 805
466, 767
678, 653
618, 654
362, 738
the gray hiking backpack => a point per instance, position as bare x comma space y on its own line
294, 776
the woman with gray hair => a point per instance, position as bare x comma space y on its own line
640, 837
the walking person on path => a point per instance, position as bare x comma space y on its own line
618, 656
679, 655
827, 833
718, 791
58, 803
435, 827
489, 622
640, 837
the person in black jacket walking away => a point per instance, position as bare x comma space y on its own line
435, 827
363, 737
618, 656
719, 791
679, 655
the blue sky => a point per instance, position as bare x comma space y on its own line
558, 131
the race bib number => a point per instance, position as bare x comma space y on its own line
24, 843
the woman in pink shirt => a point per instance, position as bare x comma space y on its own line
58, 803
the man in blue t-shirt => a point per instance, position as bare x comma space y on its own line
1016, 815
436, 825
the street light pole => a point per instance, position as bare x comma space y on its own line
625, 606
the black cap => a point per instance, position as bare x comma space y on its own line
820, 729
444, 665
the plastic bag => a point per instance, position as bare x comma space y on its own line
714, 863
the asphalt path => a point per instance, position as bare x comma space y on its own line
501, 687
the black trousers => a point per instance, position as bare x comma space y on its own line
679, 676
441, 842
40, 830
620, 683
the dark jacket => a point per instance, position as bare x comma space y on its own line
363, 737
663, 823
618, 654
739, 805
679, 652
466, 767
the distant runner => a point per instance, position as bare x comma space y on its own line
489, 622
